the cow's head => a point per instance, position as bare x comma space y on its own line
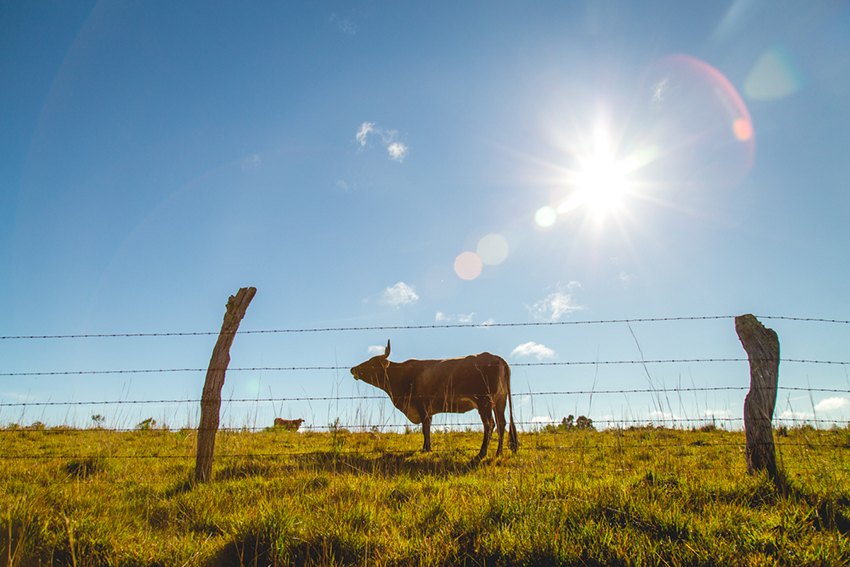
374, 370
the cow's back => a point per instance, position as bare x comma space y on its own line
453, 384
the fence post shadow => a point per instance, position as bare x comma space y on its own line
762, 346
211, 397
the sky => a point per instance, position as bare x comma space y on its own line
499, 178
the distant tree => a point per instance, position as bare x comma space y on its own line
570, 423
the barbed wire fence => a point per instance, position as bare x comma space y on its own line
387, 425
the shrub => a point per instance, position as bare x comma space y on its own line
570, 423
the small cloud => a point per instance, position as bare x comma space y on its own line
664, 415
555, 305
17, 396
523, 401
718, 414
659, 91
345, 25
342, 185
365, 129
252, 162
795, 415
532, 348
397, 151
831, 404
461, 319
400, 294
543, 419
375, 349
624, 277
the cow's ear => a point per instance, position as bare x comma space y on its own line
387, 352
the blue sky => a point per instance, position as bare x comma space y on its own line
373, 164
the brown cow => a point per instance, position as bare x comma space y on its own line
288, 424
422, 388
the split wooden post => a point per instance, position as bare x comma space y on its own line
211, 398
762, 346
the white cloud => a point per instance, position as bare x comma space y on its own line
664, 415
342, 185
831, 404
624, 277
252, 162
532, 348
543, 419
795, 415
400, 294
345, 25
461, 319
717, 414
376, 349
397, 151
523, 401
365, 129
659, 91
555, 305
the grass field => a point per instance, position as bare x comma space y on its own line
646, 496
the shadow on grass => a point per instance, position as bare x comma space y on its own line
831, 510
390, 464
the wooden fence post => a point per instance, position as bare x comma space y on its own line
762, 346
211, 398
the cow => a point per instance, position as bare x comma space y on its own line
288, 424
422, 388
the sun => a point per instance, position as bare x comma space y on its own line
601, 179
601, 182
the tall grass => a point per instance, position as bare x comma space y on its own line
645, 496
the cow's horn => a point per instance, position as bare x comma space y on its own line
387, 352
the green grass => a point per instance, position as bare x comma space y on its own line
644, 496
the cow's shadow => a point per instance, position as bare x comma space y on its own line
389, 464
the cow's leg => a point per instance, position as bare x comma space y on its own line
500, 422
485, 410
426, 432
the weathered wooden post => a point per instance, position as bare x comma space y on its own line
211, 398
762, 346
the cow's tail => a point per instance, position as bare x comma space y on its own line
513, 438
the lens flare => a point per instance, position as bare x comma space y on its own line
695, 117
545, 217
743, 130
774, 76
492, 249
468, 266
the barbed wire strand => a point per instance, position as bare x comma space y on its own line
314, 368
415, 327
606, 425
384, 397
